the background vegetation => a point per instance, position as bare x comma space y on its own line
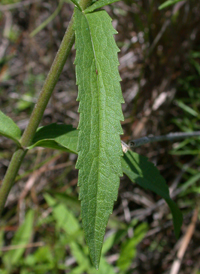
160, 69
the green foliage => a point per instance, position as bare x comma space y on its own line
41, 261
128, 250
62, 137
135, 166
145, 174
168, 3
191, 185
187, 120
64, 235
100, 161
189, 108
99, 4
76, 4
64, 218
99, 147
9, 129
22, 237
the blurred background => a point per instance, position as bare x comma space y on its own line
40, 231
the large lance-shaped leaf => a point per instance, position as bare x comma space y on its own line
135, 166
99, 147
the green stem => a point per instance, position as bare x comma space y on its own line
39, 108
9, 178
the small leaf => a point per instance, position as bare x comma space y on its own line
9, 129
168, 3
99, 4
99, 146
55, 136
145, 174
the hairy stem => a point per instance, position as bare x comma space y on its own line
39, 108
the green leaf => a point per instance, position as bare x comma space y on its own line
189, 183
187, 108
105, 267
133, 165
196, 65
128, 249
145, 174
99, 4
21, 238
99, 146
9, 129
64, 218
168, 3
80, 257
41, 255
62, 137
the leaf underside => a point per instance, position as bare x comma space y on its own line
135, 166
99, 146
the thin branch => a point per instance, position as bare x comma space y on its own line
48, 20
169, 137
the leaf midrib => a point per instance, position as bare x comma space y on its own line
99, 119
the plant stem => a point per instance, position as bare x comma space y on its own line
11, 173
39, 108
49, 85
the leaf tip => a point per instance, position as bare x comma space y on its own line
95, 260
